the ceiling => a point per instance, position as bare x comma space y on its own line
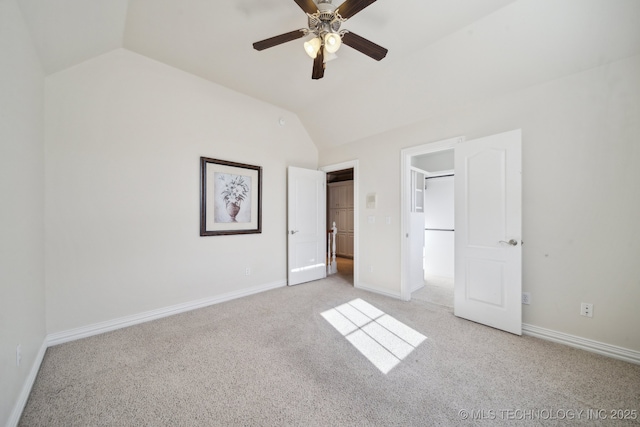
443, 54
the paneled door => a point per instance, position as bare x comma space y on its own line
488, 230
306, 219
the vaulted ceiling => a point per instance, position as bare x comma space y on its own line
443, 54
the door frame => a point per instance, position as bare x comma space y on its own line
352, 164
405, 201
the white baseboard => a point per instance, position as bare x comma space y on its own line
367, 287
123, 322
615, 352
14, 418
609, 350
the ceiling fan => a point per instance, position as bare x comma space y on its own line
325, 20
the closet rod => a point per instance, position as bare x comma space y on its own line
438, 229
439, 176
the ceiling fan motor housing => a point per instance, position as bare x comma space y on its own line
326, 10
326, 20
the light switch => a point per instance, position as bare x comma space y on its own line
371, 219
371, 200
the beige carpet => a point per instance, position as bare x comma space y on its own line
272, 359
437, 290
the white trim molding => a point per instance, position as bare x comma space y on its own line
16, 413
609, 350
370, 288
123, 322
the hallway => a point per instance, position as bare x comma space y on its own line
345, 269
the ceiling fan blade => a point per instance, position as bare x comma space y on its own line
363, 45
307, 5
351, 7
282, 38
318, 66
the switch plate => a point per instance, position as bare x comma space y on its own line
372, 199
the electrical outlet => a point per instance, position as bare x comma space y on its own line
586, 309
247, 271
526, 298
18, 354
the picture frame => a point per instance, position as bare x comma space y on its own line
230, 198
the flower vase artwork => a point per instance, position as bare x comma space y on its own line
235, 189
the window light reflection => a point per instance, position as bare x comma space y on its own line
381, 338
308, 267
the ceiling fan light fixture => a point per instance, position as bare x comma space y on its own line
324, 20
332, 42
312, 47
329, 56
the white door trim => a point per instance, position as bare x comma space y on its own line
352, 164
405, 200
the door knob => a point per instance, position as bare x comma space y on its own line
512, 242
294, 231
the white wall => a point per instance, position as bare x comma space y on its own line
439, 215
581, 198
123, 139
22, 319
434, 162
438, 203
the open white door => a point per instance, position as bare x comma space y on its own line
488, 224
306, 225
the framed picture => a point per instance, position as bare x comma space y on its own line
230, 198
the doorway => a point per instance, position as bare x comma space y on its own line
342, 208
438, 223
433, 159
488, 228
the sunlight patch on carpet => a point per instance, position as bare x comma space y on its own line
308, 267
382, 339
